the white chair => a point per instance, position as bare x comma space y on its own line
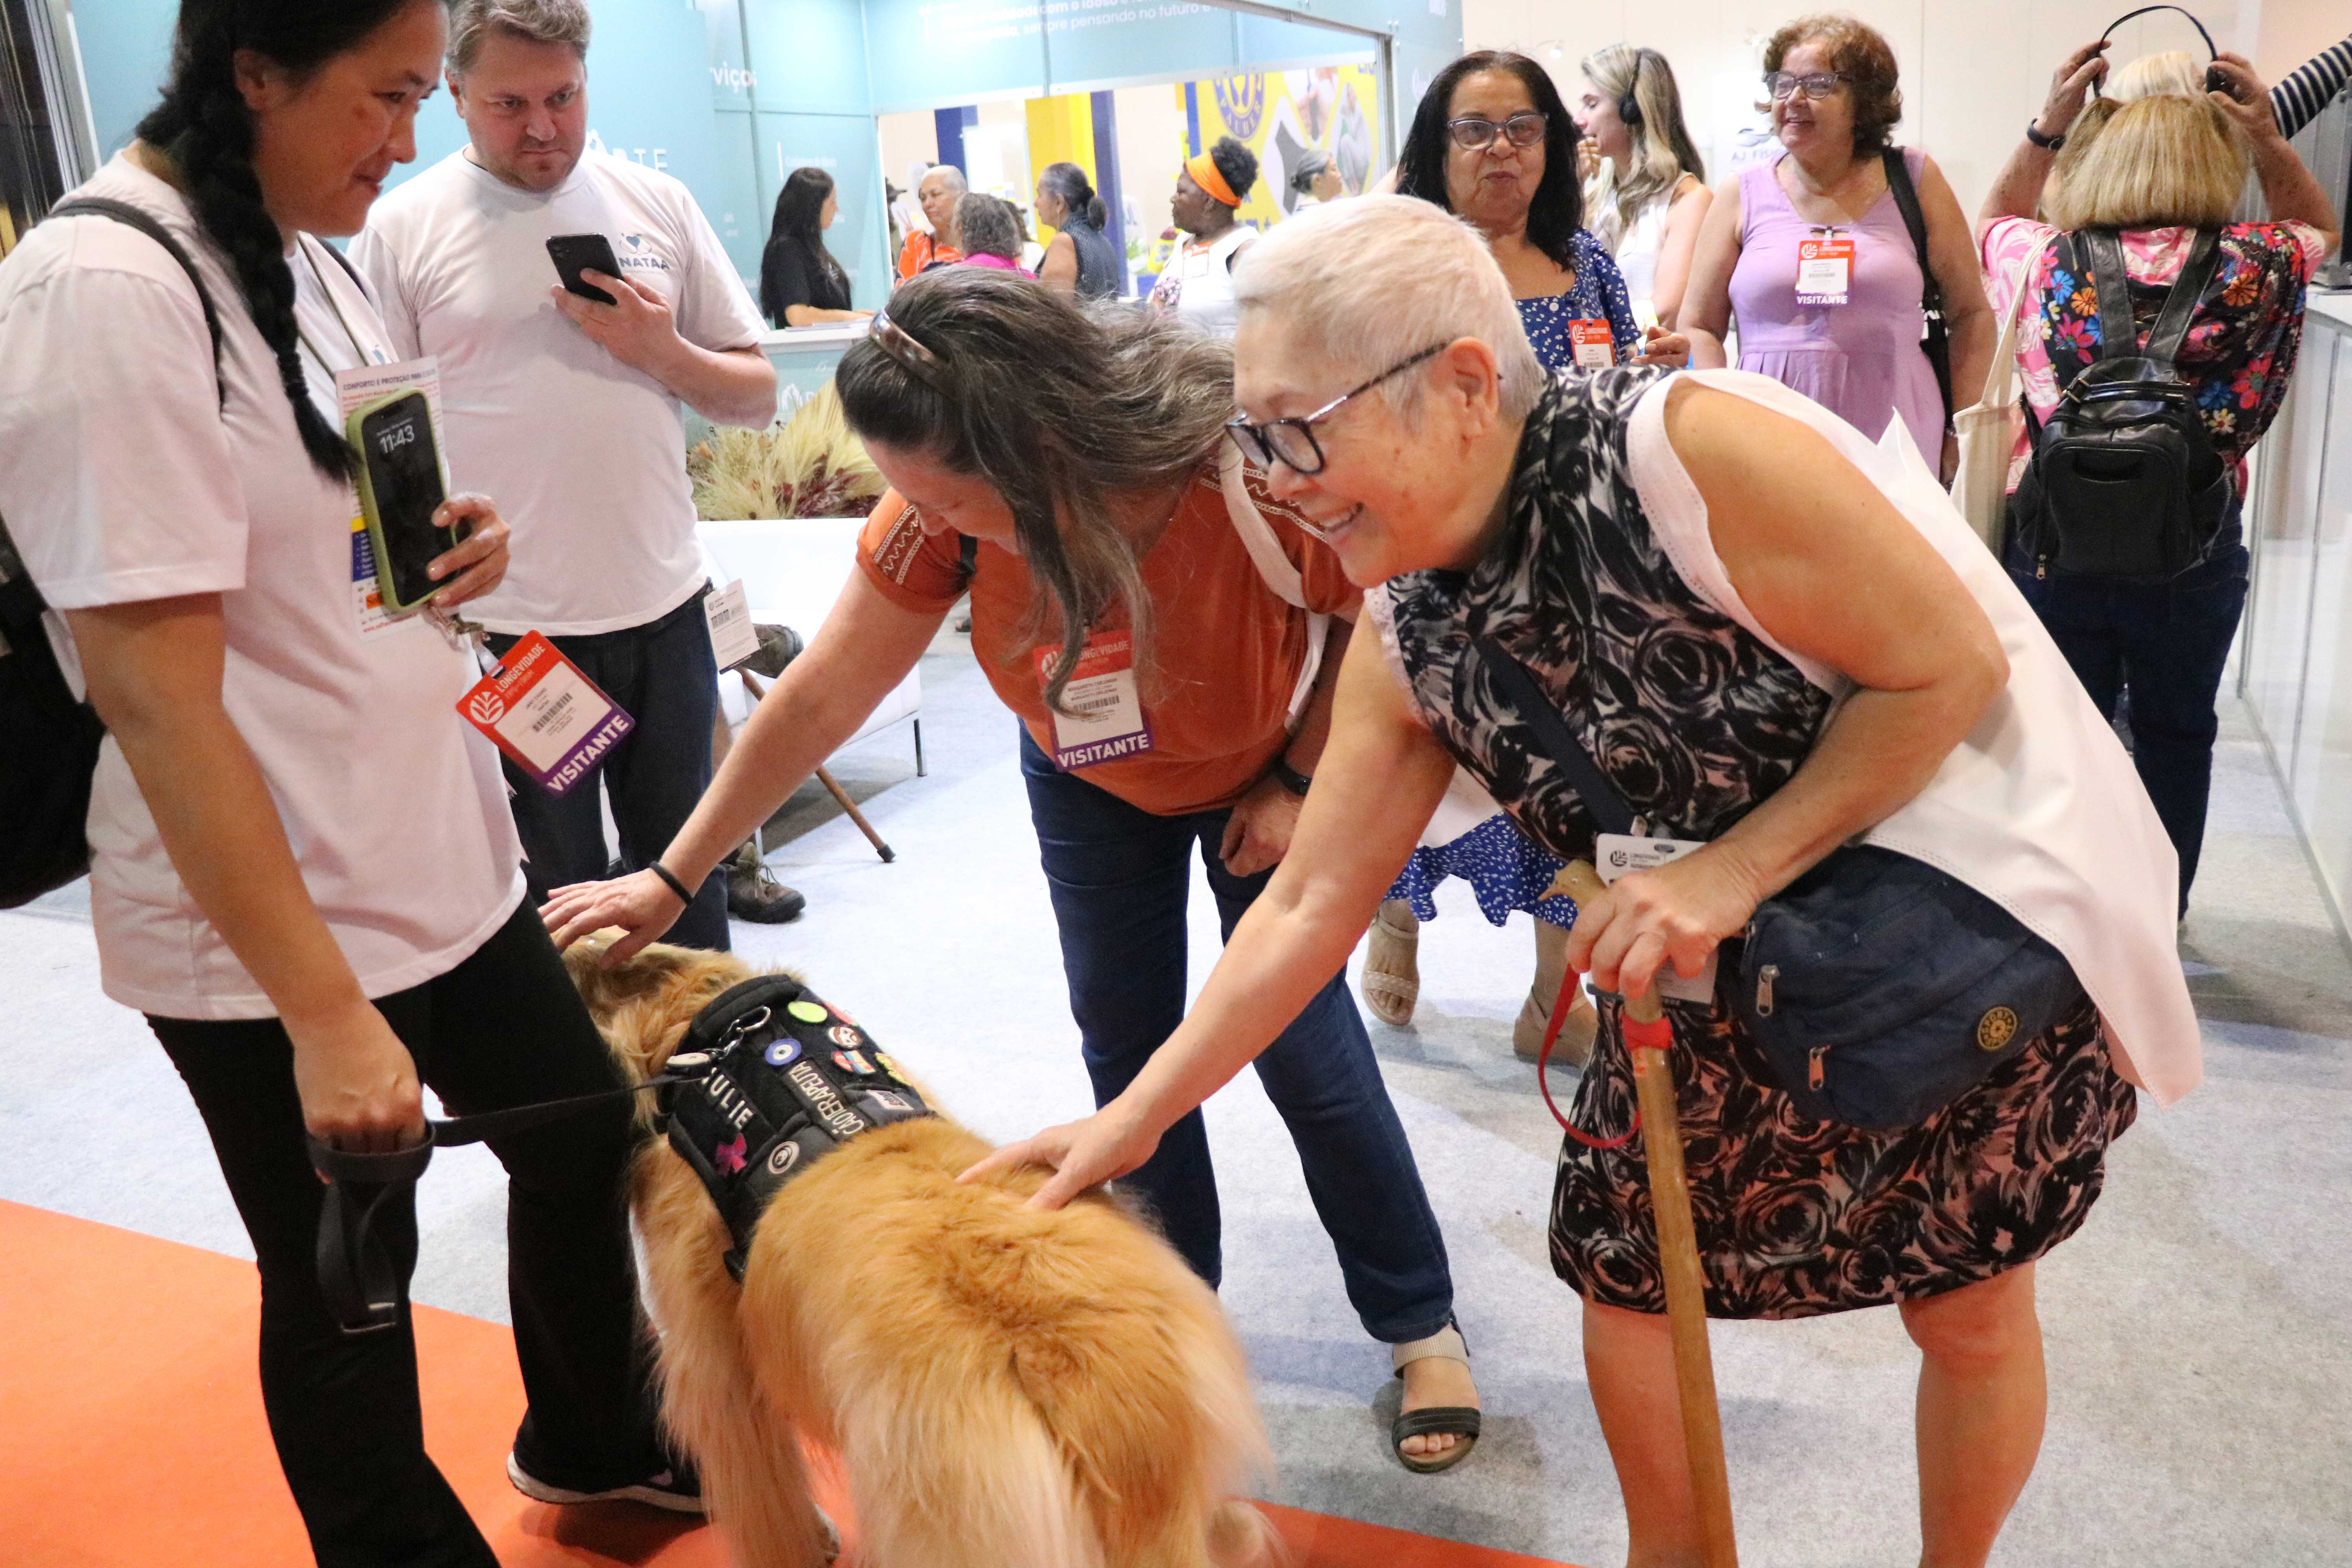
792, 568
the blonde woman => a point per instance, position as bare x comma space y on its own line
2160, 169
1649, 194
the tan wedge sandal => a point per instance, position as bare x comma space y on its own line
1391, 977
1433, 1420
1577, 1033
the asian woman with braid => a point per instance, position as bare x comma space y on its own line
304, 872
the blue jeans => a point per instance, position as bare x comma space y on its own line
1119, 876
2165, 644
664, 676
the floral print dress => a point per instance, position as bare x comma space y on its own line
1696, 720
2242, 339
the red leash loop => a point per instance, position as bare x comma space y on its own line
1657, 1036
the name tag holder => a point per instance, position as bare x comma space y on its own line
542, 711
1594, 345
1105, 720
1825, 268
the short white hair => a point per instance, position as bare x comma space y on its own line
1371, 282
949, 176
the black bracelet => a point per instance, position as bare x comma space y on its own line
658, 869
1290, 778
2047, 144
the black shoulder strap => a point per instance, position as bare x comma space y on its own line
968, 553
1906, 201
1520, 694
1931, 292
2118, 333
125, 212
2172, 323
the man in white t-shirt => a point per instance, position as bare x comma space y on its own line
567, 410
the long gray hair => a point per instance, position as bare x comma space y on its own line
1070, 409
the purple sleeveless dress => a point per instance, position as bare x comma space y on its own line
1862, 359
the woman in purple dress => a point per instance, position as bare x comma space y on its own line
1847, 334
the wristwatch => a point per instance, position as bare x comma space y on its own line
2047, 144
1290, 778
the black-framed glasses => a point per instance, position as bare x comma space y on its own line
1292, 441
1524, 129
1812, 84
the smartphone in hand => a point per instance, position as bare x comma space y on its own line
400, 490
576, 252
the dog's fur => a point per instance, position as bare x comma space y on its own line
1006, 1388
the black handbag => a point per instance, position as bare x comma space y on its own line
1936, 335
1879, 988
49, 737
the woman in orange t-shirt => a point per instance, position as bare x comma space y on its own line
1066, 464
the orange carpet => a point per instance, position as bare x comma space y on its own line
131, 1430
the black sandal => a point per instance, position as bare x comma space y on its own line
1435, 1420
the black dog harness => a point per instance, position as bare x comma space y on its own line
768, 1080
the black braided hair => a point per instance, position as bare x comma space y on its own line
203, 127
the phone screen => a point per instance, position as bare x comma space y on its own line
405, 478
574, 253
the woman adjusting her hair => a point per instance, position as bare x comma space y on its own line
1168, 637
1197, 288
1813, 253
1660, 568
2142, 187
304, 871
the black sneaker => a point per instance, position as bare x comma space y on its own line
679, 1490
755, 895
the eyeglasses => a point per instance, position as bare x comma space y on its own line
1812, 84
1292, 441
1524, 129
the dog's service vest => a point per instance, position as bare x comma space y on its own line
779, 1080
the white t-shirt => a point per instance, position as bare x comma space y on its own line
123, 479
1199, 283
585, 455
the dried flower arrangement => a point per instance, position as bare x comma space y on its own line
811, 465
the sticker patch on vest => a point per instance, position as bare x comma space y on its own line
807, 1012
784, 1053
784, 1157
886, 1100
1996, 1029
843, 1035
728, 1158
854, 1061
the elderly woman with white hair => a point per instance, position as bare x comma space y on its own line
1670, 563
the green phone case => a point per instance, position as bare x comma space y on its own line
384, 580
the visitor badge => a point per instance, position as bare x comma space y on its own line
1616, 854
1824, 270
1594, 345
1105, 715
354, 389
545, 714
728, 612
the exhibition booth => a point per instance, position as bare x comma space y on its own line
731, 96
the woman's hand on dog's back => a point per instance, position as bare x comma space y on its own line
640, 903
1081, 1155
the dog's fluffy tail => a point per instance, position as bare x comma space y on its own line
977, 1480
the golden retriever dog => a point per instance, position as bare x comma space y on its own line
1006, 1388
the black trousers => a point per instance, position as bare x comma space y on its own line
664, 676
504, 1027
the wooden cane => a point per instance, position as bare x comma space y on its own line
758, 689
1648, 1038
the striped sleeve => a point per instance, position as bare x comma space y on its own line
2298, 100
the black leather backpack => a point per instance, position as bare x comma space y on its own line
49, 737
2124, 480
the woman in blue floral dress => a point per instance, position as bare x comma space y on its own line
1492, 143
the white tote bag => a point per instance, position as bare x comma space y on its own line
1988, 432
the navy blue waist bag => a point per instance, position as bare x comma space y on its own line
1879, 987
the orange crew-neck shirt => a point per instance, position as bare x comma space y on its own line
1217, 674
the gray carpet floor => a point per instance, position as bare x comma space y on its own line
2201, 1391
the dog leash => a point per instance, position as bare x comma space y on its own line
364, 1284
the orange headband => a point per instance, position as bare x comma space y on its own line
1203, 170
